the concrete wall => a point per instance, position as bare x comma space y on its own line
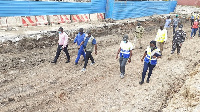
189, 2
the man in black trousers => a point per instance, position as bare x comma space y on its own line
62, 45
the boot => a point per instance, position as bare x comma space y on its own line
141, 82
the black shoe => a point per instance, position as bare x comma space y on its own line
140, 48
147, 81
83, 59
68, 61
141, 82
53, 62
76, 63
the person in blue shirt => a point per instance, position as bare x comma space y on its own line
150, 60
89, 44
78, 39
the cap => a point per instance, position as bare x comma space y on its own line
81, 29
153, 42
125, 37
60, 29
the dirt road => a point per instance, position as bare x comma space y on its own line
42, 86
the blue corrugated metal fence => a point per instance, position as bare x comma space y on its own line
114, 10
32, 8
134, 9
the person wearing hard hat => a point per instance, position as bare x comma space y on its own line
178, 39
176, 22
125, 52
139, 32
78, 39
89, 44
150, 57
161, 37
194, 28
62, 45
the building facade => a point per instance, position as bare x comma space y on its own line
189, 2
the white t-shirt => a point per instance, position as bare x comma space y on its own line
126, 46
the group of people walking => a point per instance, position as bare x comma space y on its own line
152, 53
87, 43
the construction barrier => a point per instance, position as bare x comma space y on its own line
100, 16
57, 19
46, 20
41, 20
29, 21
3, 22
80, 18
94, 17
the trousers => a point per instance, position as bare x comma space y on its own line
176, 45
194, 30
87, 57
80, 52
122, 62
146, 67
59, 49
161, 45
174, 28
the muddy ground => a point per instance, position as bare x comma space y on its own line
29, 82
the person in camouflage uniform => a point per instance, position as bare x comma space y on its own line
139, 31
178, 39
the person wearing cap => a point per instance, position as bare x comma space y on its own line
125, 52
161, 37
178, 39
62, 45
194, 28
78, 39
176, 22
150, 57
89, 44
167, 23
139, 32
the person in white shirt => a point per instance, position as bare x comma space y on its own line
125, 52
62, 45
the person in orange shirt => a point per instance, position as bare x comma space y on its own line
194, 28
